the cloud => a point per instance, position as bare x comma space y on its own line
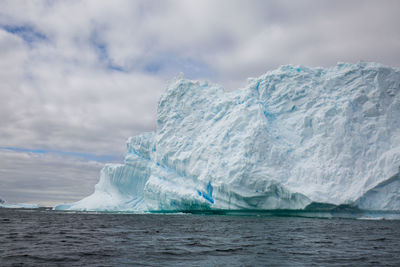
315, 34
82, 76
84, 156
45, 179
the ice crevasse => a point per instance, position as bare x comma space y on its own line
290, 137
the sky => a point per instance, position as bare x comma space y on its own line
77, 78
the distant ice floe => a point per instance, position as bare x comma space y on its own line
19, 206
4, 204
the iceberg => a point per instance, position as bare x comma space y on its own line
4, 204
18, 206
293, 136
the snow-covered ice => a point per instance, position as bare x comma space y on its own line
290, 137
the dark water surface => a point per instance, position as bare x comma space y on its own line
42, 238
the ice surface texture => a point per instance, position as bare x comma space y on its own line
291, 136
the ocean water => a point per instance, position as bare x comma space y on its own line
49, 238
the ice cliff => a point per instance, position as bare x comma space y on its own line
290, 137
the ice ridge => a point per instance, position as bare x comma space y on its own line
290, 137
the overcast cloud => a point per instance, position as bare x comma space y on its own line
77, 78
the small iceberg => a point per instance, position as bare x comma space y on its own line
18, 205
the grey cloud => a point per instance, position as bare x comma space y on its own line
316, 33
46, 179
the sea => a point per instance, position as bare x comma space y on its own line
43, 237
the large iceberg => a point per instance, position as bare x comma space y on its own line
293, 136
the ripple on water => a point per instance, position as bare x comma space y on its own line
76, 239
